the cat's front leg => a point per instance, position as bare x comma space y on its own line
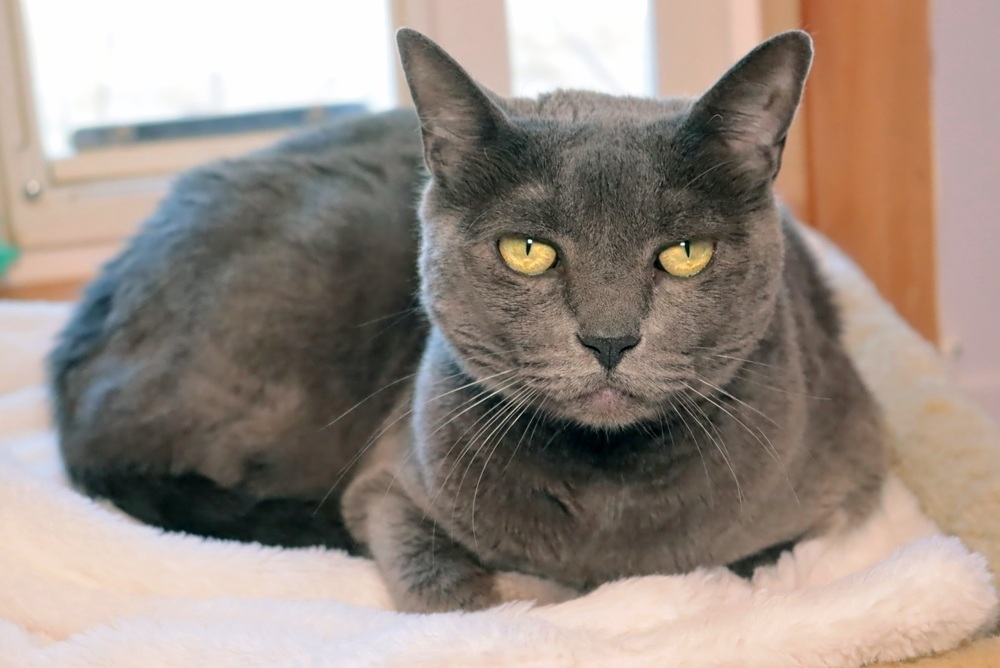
425, 569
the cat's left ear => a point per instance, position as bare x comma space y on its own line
748, 111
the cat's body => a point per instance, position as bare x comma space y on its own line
256, 350
202, 370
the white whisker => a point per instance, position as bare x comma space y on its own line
524, 403
718, 446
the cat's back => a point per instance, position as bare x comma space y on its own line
287, 192
207, 342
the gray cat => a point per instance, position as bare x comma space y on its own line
600, 350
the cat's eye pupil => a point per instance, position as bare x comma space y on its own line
686, 245
527, 246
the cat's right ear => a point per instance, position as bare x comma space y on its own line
458, 119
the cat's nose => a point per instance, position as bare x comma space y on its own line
608, 350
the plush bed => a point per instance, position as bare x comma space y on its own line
82, 585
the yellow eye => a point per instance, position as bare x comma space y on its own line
526, 255
686, 258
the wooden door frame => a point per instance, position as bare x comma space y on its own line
869, 145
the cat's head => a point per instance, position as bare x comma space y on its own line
595, 254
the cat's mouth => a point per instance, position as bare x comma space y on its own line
603, 403
608, 404
606, 397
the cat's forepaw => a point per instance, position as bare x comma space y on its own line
511, 586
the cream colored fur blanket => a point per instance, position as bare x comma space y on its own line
81, 585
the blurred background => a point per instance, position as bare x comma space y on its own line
894, 153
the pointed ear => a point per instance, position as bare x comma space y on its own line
457, 117
748, 111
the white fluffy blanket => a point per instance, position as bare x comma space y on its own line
82, 585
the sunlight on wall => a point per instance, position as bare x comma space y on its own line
581, 44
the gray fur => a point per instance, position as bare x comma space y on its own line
268, 295
232, 344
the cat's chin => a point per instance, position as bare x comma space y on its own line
607, 407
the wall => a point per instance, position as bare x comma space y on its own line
966, 89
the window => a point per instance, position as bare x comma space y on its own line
105, 100
125, 75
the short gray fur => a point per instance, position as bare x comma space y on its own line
284, 335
